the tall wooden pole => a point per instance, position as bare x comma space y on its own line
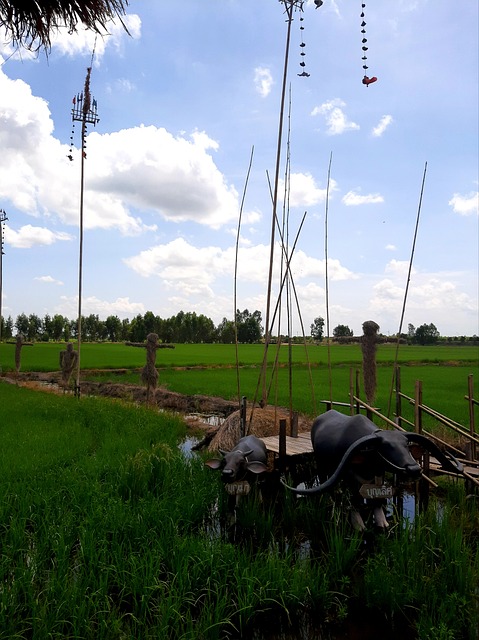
3, 217
289, 6
84, 113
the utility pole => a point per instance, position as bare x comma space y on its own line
3, 217
84, 111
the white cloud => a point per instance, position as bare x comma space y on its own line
84, 41
336, 120
390, 247
353, 199
263, 81
142, 167
122, 307
304, 191
149, 168
48, 280
29, 236
465, 205
382, 126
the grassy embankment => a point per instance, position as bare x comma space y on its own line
108, 531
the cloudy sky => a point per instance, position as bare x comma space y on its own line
186, 101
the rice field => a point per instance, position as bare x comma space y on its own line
108, 530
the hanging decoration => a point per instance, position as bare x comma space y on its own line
302, 45
366, 79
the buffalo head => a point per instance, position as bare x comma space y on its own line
248, 455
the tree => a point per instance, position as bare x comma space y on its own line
113, 328
427, 334
21, 324
226, 331
34, 326
8, 328
248, 326
30, 23
342, 331
58, 327
317, 329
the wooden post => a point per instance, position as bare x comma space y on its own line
418, 406
282, 444
358, 393
472, 427
351, 392
243, 416
397, 375
294, 425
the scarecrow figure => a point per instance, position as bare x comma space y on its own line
68, 361
369, 342
149, 374
19, 343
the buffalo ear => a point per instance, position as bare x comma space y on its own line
256, 467
214, 463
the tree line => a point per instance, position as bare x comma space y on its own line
184, 327
424, 335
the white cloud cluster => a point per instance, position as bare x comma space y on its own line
353, 199
384, 123
303, 190
142, 167
465, 205
263, 81
336, 120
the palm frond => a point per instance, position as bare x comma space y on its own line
30, 23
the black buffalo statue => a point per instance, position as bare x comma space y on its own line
249, 455
354, 449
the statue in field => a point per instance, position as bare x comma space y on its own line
68, 361
369, 342
149, 374
19, 343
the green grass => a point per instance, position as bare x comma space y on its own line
45, 356
108, 532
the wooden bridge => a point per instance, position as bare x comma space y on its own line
287, 450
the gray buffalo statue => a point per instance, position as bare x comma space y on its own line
249, 455
353, 448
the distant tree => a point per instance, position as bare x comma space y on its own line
93, 328
46, 328
342, 331
150, 322
137, 329
125, 329
21, 324
248, 326
411, 331
7, 331
113, 327
317, 329
427, 334
226, 331
58, 326
34, 326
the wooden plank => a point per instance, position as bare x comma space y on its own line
294, 446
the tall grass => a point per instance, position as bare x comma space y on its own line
108, 531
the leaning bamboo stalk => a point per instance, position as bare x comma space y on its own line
407, 284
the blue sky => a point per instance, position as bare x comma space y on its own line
184, 99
